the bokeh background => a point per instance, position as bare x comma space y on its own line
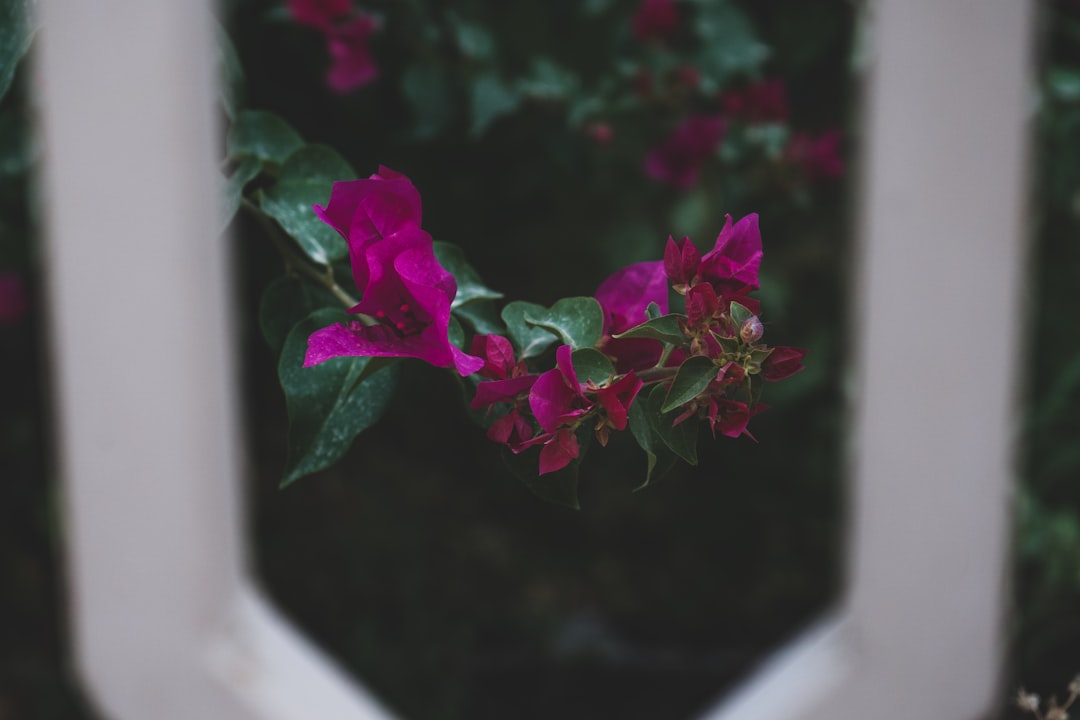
419, 562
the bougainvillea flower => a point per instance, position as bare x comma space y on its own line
681, 261
626, 294
511, 430
678, 160
498, 355
559, 449
508, 391
624, 298
406, 292
816, 158
729, 417
349, 45
782, 362
702, 305
13, 300
655, 19
617, 398
557, 398
736, 258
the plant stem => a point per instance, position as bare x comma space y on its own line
296, 263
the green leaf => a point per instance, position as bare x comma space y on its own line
16, 34
329, 404
244, 173
653, 311
578, 321
739, 314
262, 135
490, 99
473, 40
1064, 83
456, 333
693, 376
469, 285
427, 89
527, 338
287, 301
231, 72
664, 328
592, 365
681, 438
483, 316
548, 81
306, 179
659, 459
729, 44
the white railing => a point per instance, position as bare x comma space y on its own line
167, 623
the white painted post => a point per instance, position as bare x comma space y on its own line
938, 302
166, 622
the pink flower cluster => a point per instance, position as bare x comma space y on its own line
548, 409
347, 33
405, 312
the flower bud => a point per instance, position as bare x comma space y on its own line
751, 330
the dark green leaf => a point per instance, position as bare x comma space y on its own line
427, 89
16, 33
693, 376
473, 40
456, 333
287, 301
329, 404
306, 179
653, 311
244, 173
490, 100
547, 81
578, 321
729, 45
262, 135
483, 316
659, 459
469, 285
592, 365
681, 438
664, 328
527, 338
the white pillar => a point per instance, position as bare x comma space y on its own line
936, 417
166, 624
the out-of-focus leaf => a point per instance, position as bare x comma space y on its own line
548, 81
329, 404
729, 44
262, 135
19, 147
490, 100
306, 179
1064, 83
473, 39
427, 89
233, 191
232, 73
16, 32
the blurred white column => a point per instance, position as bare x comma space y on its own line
938, 306
166, 623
